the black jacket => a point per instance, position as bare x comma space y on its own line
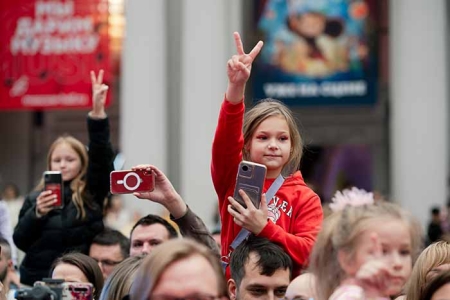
61, 231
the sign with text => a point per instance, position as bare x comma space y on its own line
316, 52
47, 51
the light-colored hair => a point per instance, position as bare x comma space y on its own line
341, 230
154, 265
80, 196
260, 112
433, 256
119, 281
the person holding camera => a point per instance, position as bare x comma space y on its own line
45, 232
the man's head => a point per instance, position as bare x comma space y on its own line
6, 262
179, 269
259, 269
149, 232
109, 248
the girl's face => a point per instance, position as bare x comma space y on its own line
69, 273
270, 145
395, 241
66, 160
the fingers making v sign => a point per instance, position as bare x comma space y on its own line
99, 91
239, 67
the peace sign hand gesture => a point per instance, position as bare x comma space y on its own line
99, 91
239, 67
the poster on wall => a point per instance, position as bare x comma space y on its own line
47, 49
316, 52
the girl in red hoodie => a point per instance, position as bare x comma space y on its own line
267, 135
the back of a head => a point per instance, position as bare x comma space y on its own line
154, 219
267, 108
164, 255
271, 258
87, 265
110, 237
433, 256
434, 285
120, 280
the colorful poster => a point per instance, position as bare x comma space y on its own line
316, 52
47, 49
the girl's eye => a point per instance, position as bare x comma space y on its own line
262, 137
283, 138
405, 252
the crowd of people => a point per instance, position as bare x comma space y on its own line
283, 248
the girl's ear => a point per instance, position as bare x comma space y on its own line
346, 262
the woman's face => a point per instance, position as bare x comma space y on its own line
442, 293
69, 273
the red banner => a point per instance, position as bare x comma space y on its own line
47, 51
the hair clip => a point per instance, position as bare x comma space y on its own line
353, 197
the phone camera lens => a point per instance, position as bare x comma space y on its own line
245, 168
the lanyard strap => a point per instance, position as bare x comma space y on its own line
244, 233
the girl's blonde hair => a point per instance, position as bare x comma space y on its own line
267, 108
433, 256
341, 230
174, 250
80, 196
121, 278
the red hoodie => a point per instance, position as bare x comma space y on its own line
295, 211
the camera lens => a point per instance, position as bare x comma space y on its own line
244, 168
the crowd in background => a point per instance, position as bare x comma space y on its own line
280, 247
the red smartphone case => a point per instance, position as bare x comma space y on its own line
128, 182
53, 182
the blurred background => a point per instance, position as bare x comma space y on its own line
367, 80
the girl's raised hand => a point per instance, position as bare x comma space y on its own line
239, 68
99, 91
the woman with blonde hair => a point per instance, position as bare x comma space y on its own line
431, 262
179, 268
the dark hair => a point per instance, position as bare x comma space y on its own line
12, 186
271, 258
435, 210
154, 219
435, 284
87, 265
111, 237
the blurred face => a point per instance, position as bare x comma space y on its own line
69, 273
270, 145
443, 293
65, 160
145, 238
395, 241
191, 277
257, 286
107, 257
311, 24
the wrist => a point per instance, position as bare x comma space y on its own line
235, 93
176, 207
97, 114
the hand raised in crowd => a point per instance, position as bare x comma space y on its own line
374, 275
45, 203
99, 91
239, 67
164, 193
250, 218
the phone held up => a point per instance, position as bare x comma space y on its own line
127, 182
53, 182
250, 178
